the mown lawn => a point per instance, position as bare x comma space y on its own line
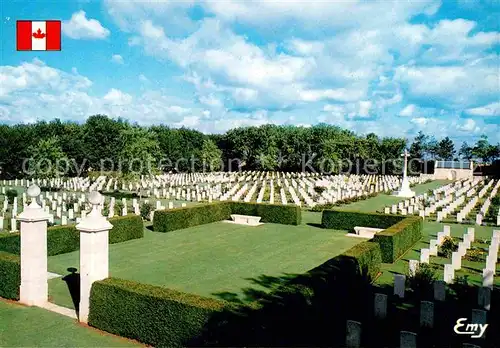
216, 258
382, 200
22, 326
471, 269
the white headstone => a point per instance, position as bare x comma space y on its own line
449, 273
413, 267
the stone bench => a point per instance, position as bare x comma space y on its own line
366, 232
246, 219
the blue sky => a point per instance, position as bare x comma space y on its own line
388, 67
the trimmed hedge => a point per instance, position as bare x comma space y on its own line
397, 239
151, 314
65, 239
179, 218
10, 275
166, 318
270, 213
126, 228
363, 259
347, 220
368, 256
400, 234
10, 242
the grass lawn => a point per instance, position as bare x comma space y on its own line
472, 269
31, 326
382, 200
214, 258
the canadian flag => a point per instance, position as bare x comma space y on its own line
38, 35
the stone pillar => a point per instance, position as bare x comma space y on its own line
94, 247
34, 286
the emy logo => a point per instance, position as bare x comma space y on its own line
473, 330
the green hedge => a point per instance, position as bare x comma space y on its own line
368, 256
65, 239
126, 228
400, 233
154, 315
179, 218
10, 275
270, 213
397, 239
10, 242
363, 259
347, 220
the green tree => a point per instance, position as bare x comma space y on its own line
466, 152
446, 149
417, 151
484, 151
47, 159
211, 155
102, 142
432, 148
139, 151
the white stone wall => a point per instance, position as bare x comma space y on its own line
447, 174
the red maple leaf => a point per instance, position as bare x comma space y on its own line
38, 34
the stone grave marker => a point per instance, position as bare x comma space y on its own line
484, 298
399, 285
380, 306
427, 314
439, 290
353, 334
407, 339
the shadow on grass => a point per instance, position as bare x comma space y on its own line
312, 310
73, 282
315, 224
292, 310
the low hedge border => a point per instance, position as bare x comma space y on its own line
400, 232
270, 213
65, 239
397, 239
180, 218
10, 275
347, 220
151, 314
163, 317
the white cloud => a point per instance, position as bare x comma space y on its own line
321, 13
79, 27
340, 94
118, 59
492, 109
211, 101
454, 86
409, 110
469, 125
143, 78
37, 76
361, 109
420, 121
34, 91
117, 97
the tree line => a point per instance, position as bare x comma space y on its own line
107, 144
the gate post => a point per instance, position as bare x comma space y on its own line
94, 248
34, 283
